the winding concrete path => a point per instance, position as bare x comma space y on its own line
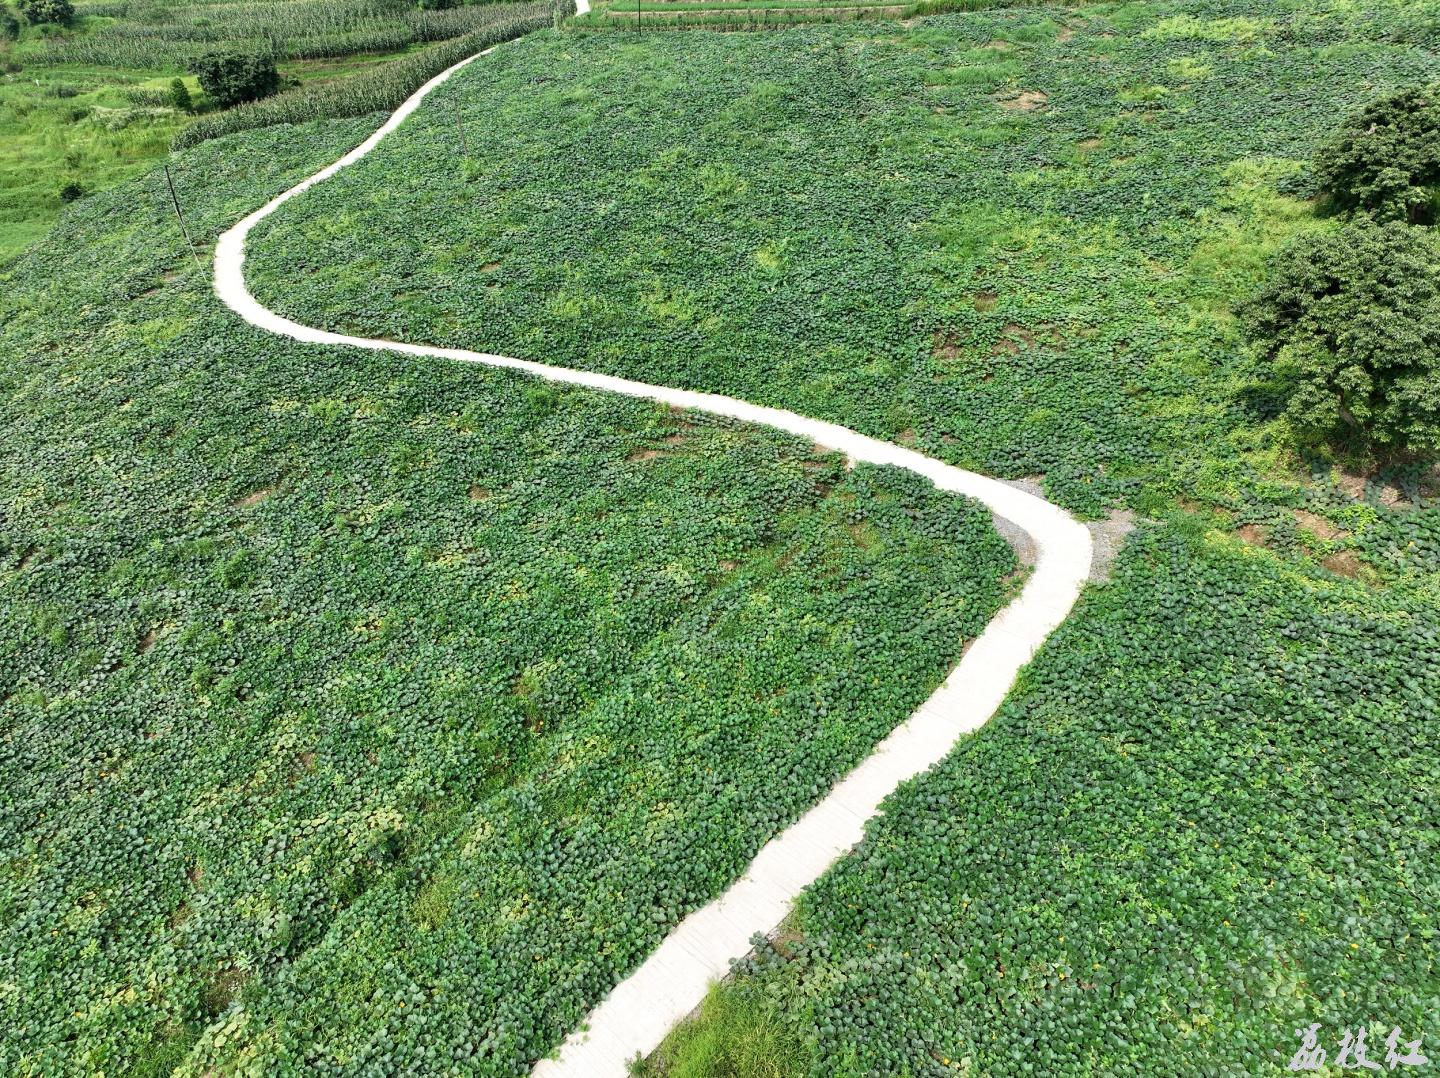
640, 1010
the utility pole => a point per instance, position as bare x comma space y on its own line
460, 127
174, 201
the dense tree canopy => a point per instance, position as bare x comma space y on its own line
1386, 158
1351, 320
52, 11
234, 78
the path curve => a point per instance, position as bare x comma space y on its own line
668, 985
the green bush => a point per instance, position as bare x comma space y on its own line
9, 25
71, 192
235, 78
437, 5
51, 11
1386, 158
180, 96
1351, 321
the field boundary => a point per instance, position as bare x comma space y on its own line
668, 985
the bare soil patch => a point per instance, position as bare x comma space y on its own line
1025, 101
1108, 537
1015, 336
253, 498
1357, 486
945, 348
670, 442
1318, 525
1344, 562
1253, 534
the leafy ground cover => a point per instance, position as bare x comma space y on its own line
1014, 239
1205, 821
758, 15
1011, 238
367, 714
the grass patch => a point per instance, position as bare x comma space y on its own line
736, 1034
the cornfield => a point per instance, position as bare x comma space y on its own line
381, 89
149, 36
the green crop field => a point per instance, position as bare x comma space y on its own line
325, 670
989, 237
366, 714
88, 104
1205, 821
1013, 239
725, 16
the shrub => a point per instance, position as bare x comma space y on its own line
1386, 158
180, 96
43, 11
235, 78
1351, 321
9, 25
437, 5
71, 192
